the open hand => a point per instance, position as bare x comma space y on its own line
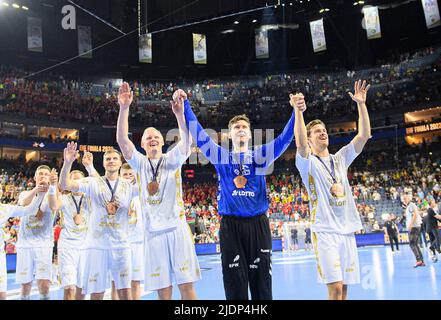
125, 96
70, 152
360, 91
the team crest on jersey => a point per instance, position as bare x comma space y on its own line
34, 223
245, 171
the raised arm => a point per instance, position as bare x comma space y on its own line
178, 109
211, 150
26, 200
125, 98
269, 152
88, 164
8, 210
298, 103
70, 154
54, 194
364, 125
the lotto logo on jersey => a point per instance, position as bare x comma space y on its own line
242, 193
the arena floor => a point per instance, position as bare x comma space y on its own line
384, 276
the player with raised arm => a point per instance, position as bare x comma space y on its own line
334, 215
169, 248
245, 236
107, 244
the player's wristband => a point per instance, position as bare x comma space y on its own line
52, 190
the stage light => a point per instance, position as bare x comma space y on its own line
254, 21
5, 4
360, 2
16, 6
290, 3
326, 9
236, 22
355, 3
322, 10
24, 8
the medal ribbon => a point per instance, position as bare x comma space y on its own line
332, 171
241, 164
155, 170
78, 206
41, 202
112, 191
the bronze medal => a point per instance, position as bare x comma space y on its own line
39, 214
337, 190
153, 188
240, 182
78, 219
111, 208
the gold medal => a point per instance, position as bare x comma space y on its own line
240, 182
153, 188
337, 190
111, 208
78, 219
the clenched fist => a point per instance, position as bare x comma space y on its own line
297, 101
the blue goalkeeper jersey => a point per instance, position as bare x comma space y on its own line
251, 200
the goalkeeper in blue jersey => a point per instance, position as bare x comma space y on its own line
245, 236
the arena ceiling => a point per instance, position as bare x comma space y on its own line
402, 24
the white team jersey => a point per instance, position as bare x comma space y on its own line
73, 236
329, 213
107, 231
410, 209
162, 210
7, 211
136, 222
35, 233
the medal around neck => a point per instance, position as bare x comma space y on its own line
153, 188
240, 182
39, 214
78, 219
337, 190
111, 208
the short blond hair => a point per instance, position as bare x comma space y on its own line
238, 118
43, 167
76, 171
126, 166
154, 129
311, 124
113, 151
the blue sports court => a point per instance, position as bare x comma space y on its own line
384, 276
